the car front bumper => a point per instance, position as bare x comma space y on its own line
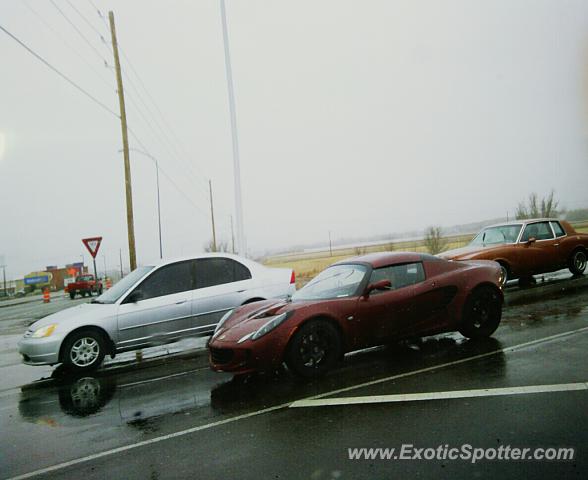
40, 351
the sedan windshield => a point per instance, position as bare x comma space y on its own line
338, 281
497, 235
119, 288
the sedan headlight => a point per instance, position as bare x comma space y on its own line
45, 331
271, 324
223, 319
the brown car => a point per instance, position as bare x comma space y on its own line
527, 247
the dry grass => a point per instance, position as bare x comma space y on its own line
308, 265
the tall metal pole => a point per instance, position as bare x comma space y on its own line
232, 235
158, 207
212, 216
125, 138
4, 276
241, 242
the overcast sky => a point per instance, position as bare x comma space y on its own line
359, 117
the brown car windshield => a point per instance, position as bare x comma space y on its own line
497, 235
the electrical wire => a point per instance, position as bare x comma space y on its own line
58, 72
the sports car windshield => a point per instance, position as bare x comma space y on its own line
339, 281
497, 235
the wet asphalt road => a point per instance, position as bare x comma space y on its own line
174, 418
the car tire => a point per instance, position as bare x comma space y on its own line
314, 349
89, 293
577, 262
72, 295
506, 275
84, 350
482, 313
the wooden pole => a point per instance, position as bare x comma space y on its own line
125, 138
212, 216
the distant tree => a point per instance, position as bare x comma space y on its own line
534, 208
434, 241
359, 250
220, 247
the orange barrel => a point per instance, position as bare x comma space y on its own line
46, 296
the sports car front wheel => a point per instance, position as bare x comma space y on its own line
314, 349
482, 313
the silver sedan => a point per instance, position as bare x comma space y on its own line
153, 305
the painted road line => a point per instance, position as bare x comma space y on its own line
520, 346
229, 420
413, 397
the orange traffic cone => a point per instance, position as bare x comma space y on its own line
108, 283
46, 296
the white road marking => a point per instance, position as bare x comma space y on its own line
208, 426
551, 338
412, 397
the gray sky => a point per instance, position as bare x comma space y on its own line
359, 117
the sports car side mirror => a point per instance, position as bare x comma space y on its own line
381, 285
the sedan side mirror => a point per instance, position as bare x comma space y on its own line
381, 285
531, 240
134, 297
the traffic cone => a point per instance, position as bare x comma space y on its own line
46, 296
108, 283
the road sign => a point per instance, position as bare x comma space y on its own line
92, 244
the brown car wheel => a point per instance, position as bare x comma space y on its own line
314, 349
482, 313
577, 263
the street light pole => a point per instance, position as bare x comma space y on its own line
136, 150
241, 242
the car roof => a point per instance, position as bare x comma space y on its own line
381, 259
523, 222
243, 260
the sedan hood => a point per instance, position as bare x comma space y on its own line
468, 252
85, 313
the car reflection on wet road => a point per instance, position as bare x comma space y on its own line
173, 417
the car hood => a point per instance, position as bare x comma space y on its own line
85, 313
250, 318
469, 252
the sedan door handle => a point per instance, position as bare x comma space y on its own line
240, 291
181, 301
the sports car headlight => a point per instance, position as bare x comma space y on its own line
223, 319
271, 324
45, 331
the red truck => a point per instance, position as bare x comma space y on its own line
84, 285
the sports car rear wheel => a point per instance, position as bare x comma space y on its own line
314, 349
482, 313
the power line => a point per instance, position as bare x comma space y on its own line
85, 19
72, 49
58, 72
73, 25
135, 136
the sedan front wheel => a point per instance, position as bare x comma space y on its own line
84, 350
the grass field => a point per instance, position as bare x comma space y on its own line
308, 265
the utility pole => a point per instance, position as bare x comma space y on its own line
125, 138
104, 258
4, 275
330, 245
241, 242
212, 216
120, 259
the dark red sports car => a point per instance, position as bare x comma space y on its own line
357, 303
